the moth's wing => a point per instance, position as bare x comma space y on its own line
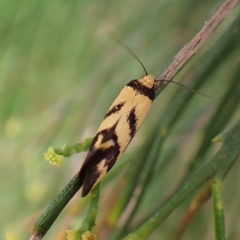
96, 172
118, 108
137, 111
105, 148
121, 135
120, 124
132, 120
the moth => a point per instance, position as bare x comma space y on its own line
116, 131
118, 128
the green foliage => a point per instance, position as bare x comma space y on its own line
60, 71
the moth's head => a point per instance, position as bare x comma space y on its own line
148, 81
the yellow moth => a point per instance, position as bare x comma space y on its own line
116, 131
119, 126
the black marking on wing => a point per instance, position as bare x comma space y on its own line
115, 109
132, 121
89, 170
141, 89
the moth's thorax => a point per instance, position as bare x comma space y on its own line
148, 81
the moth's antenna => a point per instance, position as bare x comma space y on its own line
191, 89
130, 51
162, 80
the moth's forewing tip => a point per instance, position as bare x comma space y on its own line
89, 183
85, 191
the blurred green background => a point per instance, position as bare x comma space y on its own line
59, 72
